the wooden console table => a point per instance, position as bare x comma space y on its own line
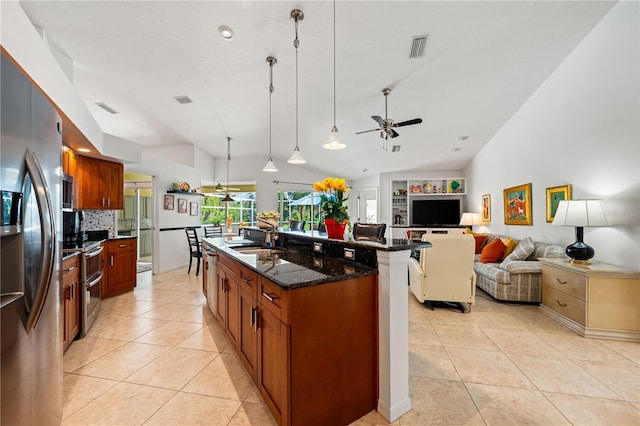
597, 300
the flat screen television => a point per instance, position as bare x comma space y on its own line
434, 213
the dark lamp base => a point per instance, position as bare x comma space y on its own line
580, 253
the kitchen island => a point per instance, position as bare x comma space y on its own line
324, 309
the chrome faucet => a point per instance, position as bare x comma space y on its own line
272, 234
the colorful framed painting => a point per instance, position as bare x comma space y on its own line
517, 205
182, 205
193, 209
554, 196
486, 208
168, 201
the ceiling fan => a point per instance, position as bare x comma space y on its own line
387, 125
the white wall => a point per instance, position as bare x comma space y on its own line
581, 127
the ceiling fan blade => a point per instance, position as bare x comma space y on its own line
367, 131
378, 119
408, 122
393, 133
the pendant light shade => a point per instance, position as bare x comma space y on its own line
334, 141
227, 198
296, 157
270, 167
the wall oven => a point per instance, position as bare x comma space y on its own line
92, 274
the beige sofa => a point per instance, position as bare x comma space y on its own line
516, 280
445, 270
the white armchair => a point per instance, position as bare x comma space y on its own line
445, 270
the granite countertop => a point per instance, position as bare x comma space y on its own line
294, 267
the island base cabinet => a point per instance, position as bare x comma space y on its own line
227, 301
273, 359
247, 339
318, 351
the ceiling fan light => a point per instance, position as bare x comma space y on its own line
270, 167
334, 141
296, 157
219, 187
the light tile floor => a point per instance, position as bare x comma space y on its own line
156, 356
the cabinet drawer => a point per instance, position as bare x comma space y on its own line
569, 306
273, 298
564, 281
122, 245
227, 264
70, 266
248, 279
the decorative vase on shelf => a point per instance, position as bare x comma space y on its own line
335, 230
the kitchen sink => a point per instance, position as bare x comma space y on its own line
260, 251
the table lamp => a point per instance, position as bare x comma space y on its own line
470, 219
580, 213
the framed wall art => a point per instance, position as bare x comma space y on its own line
554, 196
182, 205
517, 205
168, 201
193, 209
486, 208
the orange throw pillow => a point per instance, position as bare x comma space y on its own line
480, 239
492, 252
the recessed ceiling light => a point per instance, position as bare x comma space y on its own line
226, 32
84, 150
463, 138
456, 149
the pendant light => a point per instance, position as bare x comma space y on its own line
296, 157
270, 167
227, 197
334, 141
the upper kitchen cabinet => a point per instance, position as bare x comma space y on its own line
100, 184
70, 167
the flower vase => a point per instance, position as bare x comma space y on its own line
334, 229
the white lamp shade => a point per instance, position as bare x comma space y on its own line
334, 140
270, 167
470, 219
580, 213
296, 157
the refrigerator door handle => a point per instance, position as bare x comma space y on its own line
47, 225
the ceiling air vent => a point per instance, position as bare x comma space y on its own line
183, 99
395, 148
107, 108
417, 46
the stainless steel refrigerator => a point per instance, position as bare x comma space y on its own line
31, 322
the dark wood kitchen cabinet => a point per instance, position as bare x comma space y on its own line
120, 266
71, 297
312, 351
70, 167
227, 297
100, 184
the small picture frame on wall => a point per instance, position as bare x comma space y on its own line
517, 205
556, 194
182, 205
193, 209
486, 208
168, 201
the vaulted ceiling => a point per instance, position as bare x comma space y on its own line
482, 61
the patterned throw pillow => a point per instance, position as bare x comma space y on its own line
522, 251
511, 244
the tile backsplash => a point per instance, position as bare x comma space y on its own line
97, 220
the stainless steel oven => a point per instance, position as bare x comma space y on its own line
92, 274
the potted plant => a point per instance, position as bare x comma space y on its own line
332, 204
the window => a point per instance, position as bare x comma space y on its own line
299, 205
241, 209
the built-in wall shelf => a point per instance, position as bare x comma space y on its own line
404, 191
185, 193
